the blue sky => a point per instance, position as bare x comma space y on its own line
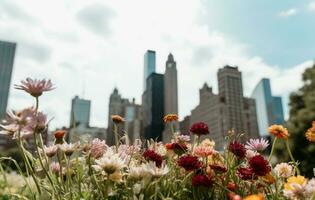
88, 47
283, 40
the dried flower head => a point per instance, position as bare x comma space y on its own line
68, 149
279, 131
55, 167
310, 133
59, 134
203, 151
155, 171
284, 170
259, 165
170, 118
51, 150
199, 128
110, 163
218, 168
295, 188
189, 162
98, 147
35, 87
237, 149
117, 119
245, 173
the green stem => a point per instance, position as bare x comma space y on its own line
116, 137
272, 149
291, 157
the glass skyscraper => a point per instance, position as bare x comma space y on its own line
269, 108
149, 66
7, 53
80, 112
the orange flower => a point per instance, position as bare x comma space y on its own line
59, 134
269, 179
279, 131
117, 119
310, 134
170, 118
254, 197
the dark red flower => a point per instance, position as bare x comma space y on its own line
201, 180
179, 148
218, 168
237, 149
245, 173
199, 128
151, 155
259, 165
189, 162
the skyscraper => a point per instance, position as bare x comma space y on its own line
149, 66
128, 110
153, 107
228, 110
80, 112
7, 53
270, 110
170, 94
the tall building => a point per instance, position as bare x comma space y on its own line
153, 107
149, 66
128, 110
80, 112
7, 53
270, 110
227, 110
170, 94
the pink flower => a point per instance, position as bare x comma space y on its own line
182, 138
38, 123
98, 148
35, 87
55, 167
257, 144
203, 151
51, 150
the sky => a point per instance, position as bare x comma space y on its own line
89, 47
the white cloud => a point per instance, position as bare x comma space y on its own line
78, 57
311, 6
288, 13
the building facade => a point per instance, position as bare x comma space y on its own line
270, 109
7, 54
153, 107
149, 66
130, 111
80, 112
228, 110
170, 94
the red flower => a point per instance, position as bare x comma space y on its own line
189, 162
218, 168
245, 173
179, 148
151, 155
259, 165
231, 186
237, 149
201, 180
199, 128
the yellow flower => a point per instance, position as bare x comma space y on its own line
254, 197
299, 180
170, 118
310, 134
117, 119
279, 131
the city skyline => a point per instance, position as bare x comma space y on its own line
86, 45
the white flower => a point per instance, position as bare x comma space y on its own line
284, 170
138, 172
110, 163
68, 149
155, 171
310, 187
159, 148
251, 153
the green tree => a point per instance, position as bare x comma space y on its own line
302, 113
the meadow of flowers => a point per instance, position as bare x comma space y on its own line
185, 168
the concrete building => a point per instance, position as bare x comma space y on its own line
149, 66
153, 107
170, 94
128, 110
80, 112
86, 133
270, 109
7, 54
227, 110
184, 126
